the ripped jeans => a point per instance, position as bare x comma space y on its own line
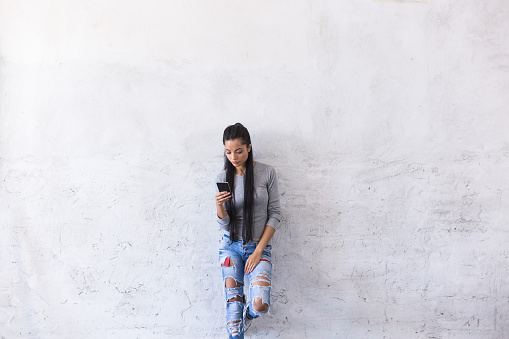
232, 257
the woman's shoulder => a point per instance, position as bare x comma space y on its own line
264, 168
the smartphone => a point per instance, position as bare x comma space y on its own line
223, 187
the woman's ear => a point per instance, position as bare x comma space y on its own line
249, 148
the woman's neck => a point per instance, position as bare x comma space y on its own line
242, 171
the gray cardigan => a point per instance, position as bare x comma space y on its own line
266, 209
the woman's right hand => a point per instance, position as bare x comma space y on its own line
222, 197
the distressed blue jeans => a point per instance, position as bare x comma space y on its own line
233, 256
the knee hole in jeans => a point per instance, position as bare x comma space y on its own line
259, 305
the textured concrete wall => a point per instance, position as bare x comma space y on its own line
387, 122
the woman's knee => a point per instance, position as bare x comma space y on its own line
259, 306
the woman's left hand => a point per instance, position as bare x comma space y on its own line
252, 261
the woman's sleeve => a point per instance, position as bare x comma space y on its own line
273, 207
223, 223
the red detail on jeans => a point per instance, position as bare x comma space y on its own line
226, 262
264, 260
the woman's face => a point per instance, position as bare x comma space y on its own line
237, 153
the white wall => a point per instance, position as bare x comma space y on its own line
387, 122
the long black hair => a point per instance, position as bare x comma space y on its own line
238, 131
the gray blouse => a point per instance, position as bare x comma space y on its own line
266, 209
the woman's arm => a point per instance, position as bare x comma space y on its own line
221, 198
254, 258
274, 217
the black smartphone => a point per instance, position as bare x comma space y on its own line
223, 187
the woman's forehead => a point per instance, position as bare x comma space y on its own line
234, 144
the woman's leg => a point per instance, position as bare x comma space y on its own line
260, 284
233, 276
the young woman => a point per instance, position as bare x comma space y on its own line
249, 216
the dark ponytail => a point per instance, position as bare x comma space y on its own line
238, 131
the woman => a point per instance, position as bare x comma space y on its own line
249, 216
